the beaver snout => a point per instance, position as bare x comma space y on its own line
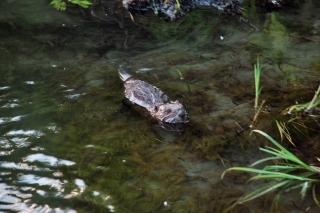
182, 113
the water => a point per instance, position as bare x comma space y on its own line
69, 144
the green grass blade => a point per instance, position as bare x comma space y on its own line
265, 159
266, 174
276, 152
257, 73
282, 168
305, 187
315, 196
262, 191
290, 173
275, 202
287, 153
280, 175
315, 100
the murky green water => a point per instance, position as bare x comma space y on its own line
69, 144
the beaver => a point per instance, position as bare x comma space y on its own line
170, 114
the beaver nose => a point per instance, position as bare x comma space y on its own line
182, 113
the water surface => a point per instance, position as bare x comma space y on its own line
69, 144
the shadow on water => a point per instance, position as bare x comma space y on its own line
68, 143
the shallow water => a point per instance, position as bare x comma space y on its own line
69, 144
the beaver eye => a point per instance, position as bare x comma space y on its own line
168, 111
155, 108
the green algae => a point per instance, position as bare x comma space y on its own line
60, 5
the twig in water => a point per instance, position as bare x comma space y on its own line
246, 21
257, 113
182, 79
241, 129
223, 159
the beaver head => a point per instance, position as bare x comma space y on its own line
172, 112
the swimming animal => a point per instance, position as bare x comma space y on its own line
170, 115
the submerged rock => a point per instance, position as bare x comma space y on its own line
115, 10
173, 9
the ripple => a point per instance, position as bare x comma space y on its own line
29, 82
10, 119
9, 199
20, 195
69, 90
37, 148
17, 118
4, 173
15, 201
4, 88
57, 174
2, 120
53, 127
41, 192
4, 153
74, 96
42, 181
20, 142
24, 208
144, 69
80, 183
23, 132
95, 193
8, 105
5, 143
15, 207
49, 160
21, 166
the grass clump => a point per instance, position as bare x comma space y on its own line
306, 108
258, 108
288, 173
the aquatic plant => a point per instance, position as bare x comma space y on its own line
287, 174
305, 107
257, 72
62, 5
58, 4
178, 5
81, 3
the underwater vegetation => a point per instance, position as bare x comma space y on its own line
62, 4
257, 73
287, 171
309, 108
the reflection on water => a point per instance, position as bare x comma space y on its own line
52, 161
26, 172
69, 144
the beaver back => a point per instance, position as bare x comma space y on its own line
144, 94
